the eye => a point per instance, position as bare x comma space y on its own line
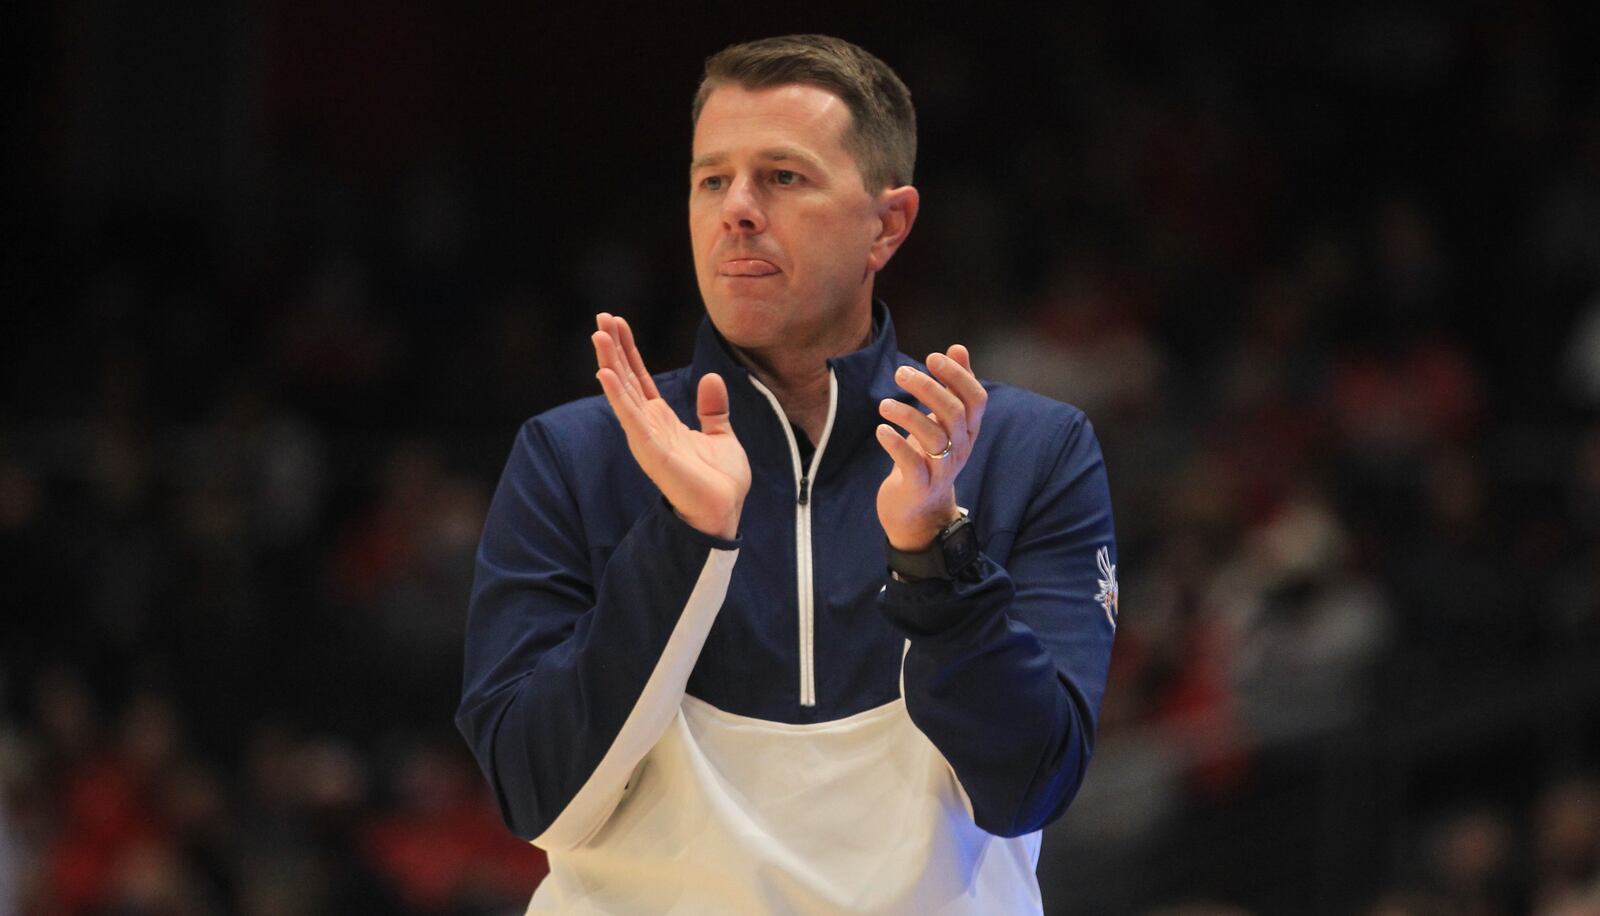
713, 183
785, 177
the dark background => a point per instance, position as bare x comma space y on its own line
281, 280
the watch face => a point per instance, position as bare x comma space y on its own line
958, 550
960, 546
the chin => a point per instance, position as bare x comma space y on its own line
748, 335
741, 329
746, 322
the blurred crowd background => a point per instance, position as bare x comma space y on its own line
283, 278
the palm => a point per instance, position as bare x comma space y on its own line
692, 467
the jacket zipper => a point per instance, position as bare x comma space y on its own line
804, 573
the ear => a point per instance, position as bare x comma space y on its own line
897, 211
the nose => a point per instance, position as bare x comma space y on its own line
741, 211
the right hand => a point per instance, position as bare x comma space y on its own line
703, 473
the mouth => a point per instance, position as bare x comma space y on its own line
747, 267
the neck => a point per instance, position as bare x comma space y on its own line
798, 376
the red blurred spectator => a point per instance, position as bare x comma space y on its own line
445, 846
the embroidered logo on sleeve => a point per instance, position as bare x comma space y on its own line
1108, 585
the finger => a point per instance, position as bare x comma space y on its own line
936, 397
602, 356
960, 354
628, 414
608, 350
605, 343
955, 371
606, 358
903, 454
604, 352
631, 351
925, 429
711, 403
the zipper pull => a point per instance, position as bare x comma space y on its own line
805, 490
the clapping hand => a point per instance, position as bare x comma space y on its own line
703, 473
918, 498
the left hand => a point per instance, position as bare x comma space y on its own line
918, 498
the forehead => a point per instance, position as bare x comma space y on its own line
735, 119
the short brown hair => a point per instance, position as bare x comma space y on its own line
883, 125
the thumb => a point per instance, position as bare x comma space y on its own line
711, 403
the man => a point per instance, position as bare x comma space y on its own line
736, 644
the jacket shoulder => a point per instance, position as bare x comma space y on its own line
1010, 405
1027, 436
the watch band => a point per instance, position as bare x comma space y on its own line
952, 552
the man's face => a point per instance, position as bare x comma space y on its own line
782, 227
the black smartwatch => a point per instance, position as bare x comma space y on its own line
952, 553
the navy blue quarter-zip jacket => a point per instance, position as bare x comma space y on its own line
596, 611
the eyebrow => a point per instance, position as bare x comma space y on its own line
773, 154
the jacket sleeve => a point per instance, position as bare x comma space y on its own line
571, 677
1004, 670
